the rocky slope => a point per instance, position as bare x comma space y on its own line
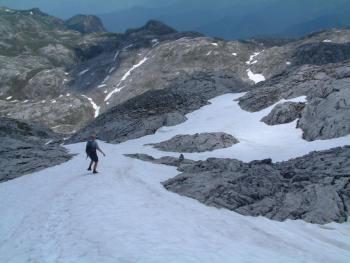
327, 111
49, 60
26, 148
144, 114
314, 188
44, 58
248, 62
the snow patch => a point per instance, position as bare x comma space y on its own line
288, 63
94, 105
111, 70
116, 55
101, 86
155, 42
252, 58
50, 141
63, 214
84, 72
106, 79
8, 98
234, 54
127, 47
214, 44
255, 77
327, 41
209, 53
125, 76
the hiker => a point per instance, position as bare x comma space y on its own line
91, 151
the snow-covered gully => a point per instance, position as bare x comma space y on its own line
117, 88
123, 214
256, 78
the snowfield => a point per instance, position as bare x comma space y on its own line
123, 214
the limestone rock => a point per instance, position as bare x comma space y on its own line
27, 148
314, 188
200, 142
284, 113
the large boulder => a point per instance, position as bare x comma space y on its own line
314, 188
200, 142
284, 113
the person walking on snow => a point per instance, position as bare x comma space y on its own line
91, 151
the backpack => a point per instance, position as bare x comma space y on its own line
90, 148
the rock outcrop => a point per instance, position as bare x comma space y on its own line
327, 111
284, 113
26, 148
200, 142
314, 188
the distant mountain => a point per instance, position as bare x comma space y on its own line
85, 24
238, 20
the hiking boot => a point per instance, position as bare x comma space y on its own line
95, 172
89, 169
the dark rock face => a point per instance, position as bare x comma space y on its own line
284, 113
85, 24
27, 148
200, 142
321, 53
144, 114
326, 114
153, 27
314, 188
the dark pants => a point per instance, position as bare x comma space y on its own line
93, 156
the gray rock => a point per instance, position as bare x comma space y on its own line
200, 142
326, 114
171, 161
27, 148
144, 114
284, 113
314, 188
326, 118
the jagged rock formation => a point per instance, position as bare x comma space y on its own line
314, 188
200, 142
327, 112
284, 113
85, 24
26, 148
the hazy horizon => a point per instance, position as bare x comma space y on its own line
229, 19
